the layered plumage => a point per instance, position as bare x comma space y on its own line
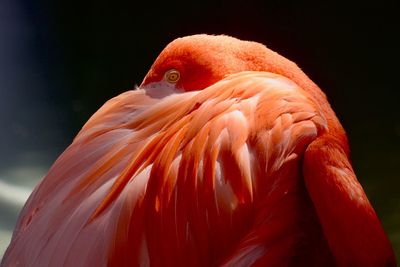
241, 162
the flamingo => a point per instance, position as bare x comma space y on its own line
227, 154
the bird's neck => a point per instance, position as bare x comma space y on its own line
350, 224
270, 61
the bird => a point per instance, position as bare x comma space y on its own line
227, 154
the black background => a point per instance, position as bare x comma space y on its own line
66, 58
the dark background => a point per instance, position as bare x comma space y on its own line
61, 60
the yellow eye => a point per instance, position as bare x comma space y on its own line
172, 76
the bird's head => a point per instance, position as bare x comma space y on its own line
198, 61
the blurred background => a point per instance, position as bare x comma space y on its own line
61, 60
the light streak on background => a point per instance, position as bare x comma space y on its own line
32, 124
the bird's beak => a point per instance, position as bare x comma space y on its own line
160, 89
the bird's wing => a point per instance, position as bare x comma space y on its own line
48, 222
175, 180
342, 206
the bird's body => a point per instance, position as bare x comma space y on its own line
250, 169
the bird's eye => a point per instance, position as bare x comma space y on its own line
172, 76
